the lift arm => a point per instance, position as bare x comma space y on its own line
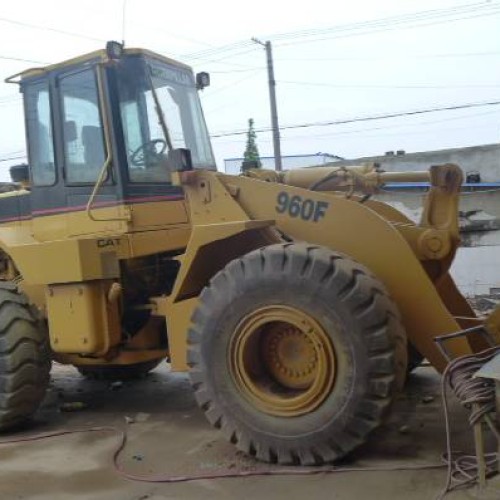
324, 219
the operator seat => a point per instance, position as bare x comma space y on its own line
93, 147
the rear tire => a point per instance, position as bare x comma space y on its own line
119, 372
292, 410
24, 358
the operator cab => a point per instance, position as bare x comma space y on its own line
113, 122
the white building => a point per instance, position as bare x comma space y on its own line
476, 268
233, 165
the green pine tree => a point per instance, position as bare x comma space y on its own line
251, 155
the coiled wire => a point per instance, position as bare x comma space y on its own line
478, 395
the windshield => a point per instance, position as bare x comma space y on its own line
160, 110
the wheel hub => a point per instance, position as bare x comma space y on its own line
290, 355
282, 360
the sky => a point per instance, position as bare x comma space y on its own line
334, 61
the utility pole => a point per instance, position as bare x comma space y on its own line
272, 100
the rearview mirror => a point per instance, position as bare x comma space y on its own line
20, 173
179, 160
202, 80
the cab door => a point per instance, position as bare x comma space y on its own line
46, 187
85, 154
68, 151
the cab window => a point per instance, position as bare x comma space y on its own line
39, 125
160, 111
83, 135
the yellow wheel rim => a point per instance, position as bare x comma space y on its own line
282, 361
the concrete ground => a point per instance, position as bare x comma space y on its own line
172, 436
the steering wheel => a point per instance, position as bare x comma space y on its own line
149, 152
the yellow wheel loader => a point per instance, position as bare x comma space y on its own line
290, 297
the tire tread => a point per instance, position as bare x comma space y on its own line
24, 358
382, 330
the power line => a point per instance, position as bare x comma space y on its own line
48, 28
232, 84
13, 158
393, 56
366, 136
435, 16
124, 19
383, 127
218, 50
423, 132
398, 125
223, 59
149, 24
249, 49
8, 154
366, 118
7, 58
390, 28
10, 103
10, 97
356, 86
255, 68
411, 16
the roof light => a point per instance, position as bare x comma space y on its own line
202, 80
114, 49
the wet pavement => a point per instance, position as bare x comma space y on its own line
171, 436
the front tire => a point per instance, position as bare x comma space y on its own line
296, 352
24, 358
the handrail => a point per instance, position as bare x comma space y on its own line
104, 169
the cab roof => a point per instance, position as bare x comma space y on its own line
97, 55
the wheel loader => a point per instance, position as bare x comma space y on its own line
291, 298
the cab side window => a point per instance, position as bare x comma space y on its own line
39, 128
83, 134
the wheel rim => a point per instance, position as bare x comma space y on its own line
282, 361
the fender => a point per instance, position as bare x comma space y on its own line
342, 225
